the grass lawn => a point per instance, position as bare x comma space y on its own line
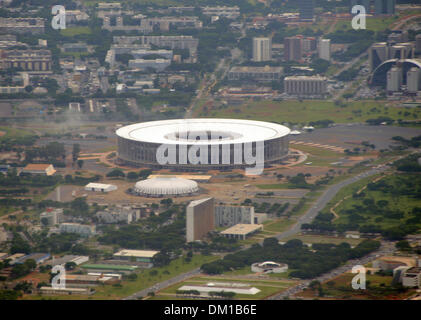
305, 111
71, 32
267, 287
14, 133
394, 203
143, 281
323, 239
373, 23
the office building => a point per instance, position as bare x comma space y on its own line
309, 44
378, 53
306, 9
324, 49
80, 229
413, 79
27, 60
265, 73
262, 49
22, 25
222, 11
228, 216
401, 51
304, 85
140, 54
242, 231
397, 36
136, 255
156, 64
394, 79
412, 277
384, 7
418, 43
199, 219
44, 169
293, 50
118, 214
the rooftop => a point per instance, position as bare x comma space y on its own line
242, 229
37, 166
136, 253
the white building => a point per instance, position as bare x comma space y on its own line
228, 216
412, 277
205, 289
394, 79
262, 49
118, 215
100, 187
157, 64
305, 85
80, 229
324, 49
413, 80
269, 267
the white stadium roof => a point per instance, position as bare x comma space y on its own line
166, 186
234, 131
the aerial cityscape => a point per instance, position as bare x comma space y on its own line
210, 150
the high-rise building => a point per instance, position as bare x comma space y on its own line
262, 49
378, 53
228, 216
394, 79
306, 9
324, 49
418, 43
309, 44
401, 51
293, 48
365, 3
413, 78
384, 7
199, 219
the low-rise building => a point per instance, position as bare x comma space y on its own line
51, 216
156, 64
45, 169
242, 231
305, 85
136, 255
265, 73
100, 187
269, 267
80, 229
119, 214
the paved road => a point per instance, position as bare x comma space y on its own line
306, 218
387, 248
322, 201
164, 284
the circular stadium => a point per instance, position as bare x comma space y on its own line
138, 143
163, 186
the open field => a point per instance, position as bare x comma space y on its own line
307, 111
267, 287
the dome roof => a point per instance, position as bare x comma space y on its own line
166, 186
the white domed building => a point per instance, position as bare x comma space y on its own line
163, 186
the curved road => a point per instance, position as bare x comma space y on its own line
322, 201
306, 218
